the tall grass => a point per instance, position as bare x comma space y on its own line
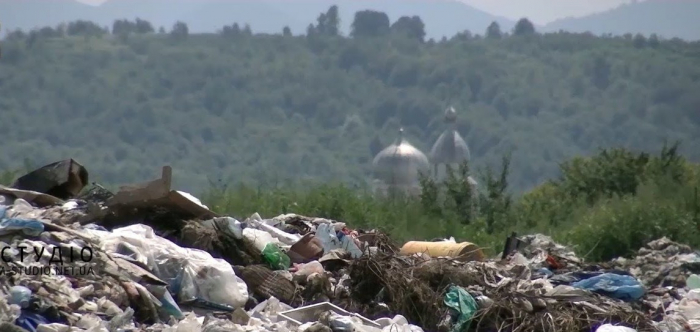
603, 206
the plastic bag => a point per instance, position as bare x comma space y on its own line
621, 287
613, 328
234, 227
259, 238
274, 257
397, 324
15, 225
191, 273
327, 234
168, 306
463, 307
282, 236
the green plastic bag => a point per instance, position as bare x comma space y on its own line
274, 257
462, 307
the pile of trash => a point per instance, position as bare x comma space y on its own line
149, 258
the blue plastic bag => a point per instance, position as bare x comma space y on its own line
13, 225
29, 320
28, 227
621, 287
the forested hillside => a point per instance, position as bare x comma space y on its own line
271, 108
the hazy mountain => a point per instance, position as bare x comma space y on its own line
29, 14
678, 18
540, 11
441, 17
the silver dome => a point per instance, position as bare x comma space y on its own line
400, 163
450, 114
450, 147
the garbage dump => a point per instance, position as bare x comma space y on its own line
150, 258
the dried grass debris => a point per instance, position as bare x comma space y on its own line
415, 288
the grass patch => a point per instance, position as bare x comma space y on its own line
604, 206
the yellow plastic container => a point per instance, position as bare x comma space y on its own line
464, 251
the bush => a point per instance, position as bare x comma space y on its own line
7, 177
604, 206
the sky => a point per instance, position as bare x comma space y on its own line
538, 11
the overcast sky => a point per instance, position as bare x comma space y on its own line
538, 11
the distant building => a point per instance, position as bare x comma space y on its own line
450, 149
397, 167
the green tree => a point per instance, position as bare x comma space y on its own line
494, 31
524, 27
329, 23
411, 27
370, 23
180, 30
143, 26
262, 106
639, 41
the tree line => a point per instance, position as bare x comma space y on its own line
268, 109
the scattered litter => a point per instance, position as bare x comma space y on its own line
150, 258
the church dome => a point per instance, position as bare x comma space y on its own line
450, 114
450, 147
400, 163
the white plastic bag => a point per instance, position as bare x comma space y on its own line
613, 328
259, 238
397, 324
282, 236
191, 273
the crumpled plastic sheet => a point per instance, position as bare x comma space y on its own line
621, 287
9, 225
191, 273
463, 307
